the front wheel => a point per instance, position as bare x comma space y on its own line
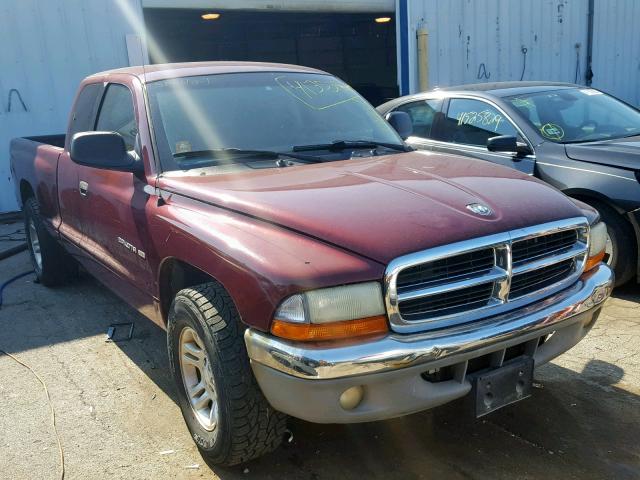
620, 251
229, 419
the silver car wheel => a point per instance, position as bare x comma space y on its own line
198, 380
34, 244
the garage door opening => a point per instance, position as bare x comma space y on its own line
352, 46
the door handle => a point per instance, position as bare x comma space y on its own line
84, 188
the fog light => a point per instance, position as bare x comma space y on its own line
351, 397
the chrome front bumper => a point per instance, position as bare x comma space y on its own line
305, 379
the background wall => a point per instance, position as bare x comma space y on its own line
616, 48
46, 48
473, 41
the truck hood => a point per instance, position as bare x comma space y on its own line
386, 206
622, 153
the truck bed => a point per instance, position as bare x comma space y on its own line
56, 140
34, 162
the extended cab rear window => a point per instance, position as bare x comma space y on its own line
84, 112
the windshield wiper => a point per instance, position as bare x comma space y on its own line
347, 144
603, 139
234, 153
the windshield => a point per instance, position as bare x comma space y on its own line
196, 117
577, 115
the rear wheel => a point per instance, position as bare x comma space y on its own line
52, 264
621, 251
229, 419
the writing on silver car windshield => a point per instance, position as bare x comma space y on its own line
573, 115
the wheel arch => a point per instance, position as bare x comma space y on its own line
586, 195
26, 191
626, 218
175, 274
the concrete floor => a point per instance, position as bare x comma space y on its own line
117, 417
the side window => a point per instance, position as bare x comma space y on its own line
473, 122
117, 115
422, 114
84, 110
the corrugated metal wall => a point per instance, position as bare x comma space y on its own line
473, 41
616, 48
46, 48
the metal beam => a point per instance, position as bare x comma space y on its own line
278, 5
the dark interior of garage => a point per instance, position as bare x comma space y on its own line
352, 46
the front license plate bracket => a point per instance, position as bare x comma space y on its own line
494, 389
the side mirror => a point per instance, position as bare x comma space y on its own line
401, 122
508, 144
105, 150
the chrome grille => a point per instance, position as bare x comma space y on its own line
478, 278
542, 245
528, 282
447, 303
446, 269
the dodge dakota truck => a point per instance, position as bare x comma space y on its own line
303, 260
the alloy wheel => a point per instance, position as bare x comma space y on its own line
198, 380
34, 244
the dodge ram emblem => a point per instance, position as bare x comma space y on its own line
480, 209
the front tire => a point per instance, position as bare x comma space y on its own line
621, 254
229, 419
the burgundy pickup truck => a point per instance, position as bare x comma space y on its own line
303, 260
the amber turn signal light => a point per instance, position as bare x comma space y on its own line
309, 332
594, 261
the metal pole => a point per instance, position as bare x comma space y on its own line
423, 58
589, 72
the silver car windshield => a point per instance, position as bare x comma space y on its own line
573, 115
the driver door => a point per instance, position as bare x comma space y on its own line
113, 205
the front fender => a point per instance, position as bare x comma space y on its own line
258, 263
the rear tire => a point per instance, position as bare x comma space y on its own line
52, 264
623, 255
210, 366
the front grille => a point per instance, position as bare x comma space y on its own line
552, 244
529, 282
478, 278
447, 269
447, 303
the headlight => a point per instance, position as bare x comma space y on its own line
597, 244
331, 313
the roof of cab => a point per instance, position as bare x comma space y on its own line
164, 71
481, 90
501, 89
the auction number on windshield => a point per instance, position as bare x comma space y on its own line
485, 118
318, 94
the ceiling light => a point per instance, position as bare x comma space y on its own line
210, 16
383, 19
